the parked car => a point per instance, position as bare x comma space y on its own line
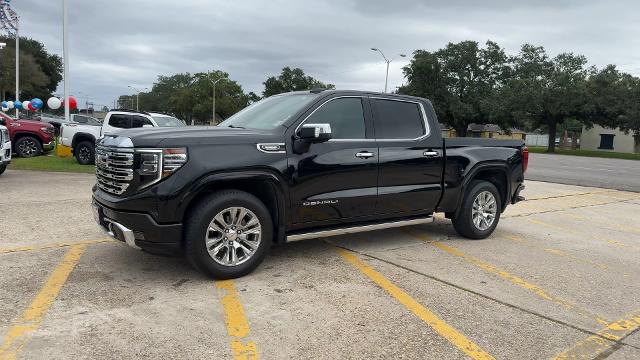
82, 137
58, 121
297, 166
5, 149
29, 138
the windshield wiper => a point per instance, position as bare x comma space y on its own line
236, 127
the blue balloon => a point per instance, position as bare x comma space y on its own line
17, 104
37, 103
4, 104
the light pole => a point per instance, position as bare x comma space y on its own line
138, 91
388, 61
214, 95
65, 56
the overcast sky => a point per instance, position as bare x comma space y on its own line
116, 43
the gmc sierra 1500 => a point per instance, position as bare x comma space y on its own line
297, 166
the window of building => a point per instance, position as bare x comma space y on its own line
606, 141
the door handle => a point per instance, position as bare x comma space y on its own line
364, 154
430, 153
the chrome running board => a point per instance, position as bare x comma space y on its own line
357, 229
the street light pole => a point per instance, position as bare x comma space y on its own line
17, 65
214, 96
388, 61
65, 56
137, 96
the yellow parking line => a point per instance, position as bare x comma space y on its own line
52, 246
605, 224
18, 335
237, 324
594, 345
437, 324
535, 289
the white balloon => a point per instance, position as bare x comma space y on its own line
25, 105
54, 103
10, 104
5, 109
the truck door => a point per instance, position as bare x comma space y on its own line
411, 159
337, 179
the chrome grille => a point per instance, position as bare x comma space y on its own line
114, 169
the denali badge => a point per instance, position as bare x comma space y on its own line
272, 148
321, 202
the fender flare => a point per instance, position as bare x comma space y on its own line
470, 175
77, 136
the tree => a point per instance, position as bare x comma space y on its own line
292, 80
629, 120
459, 79
37, 62
545, 91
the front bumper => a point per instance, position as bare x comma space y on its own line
138, 230
5, 153
48, 146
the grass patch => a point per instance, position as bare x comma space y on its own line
50, 163
590, 153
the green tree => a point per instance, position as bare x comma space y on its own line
543, 91
460, 79
31, 76
292, 80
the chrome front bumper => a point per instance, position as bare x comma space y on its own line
114, 229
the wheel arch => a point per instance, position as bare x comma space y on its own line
22, 134
493, 172
79, 137
264, 185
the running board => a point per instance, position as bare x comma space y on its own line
357, 229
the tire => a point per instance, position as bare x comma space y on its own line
209, 219
28, 146
2, 168
85, 153
477, 193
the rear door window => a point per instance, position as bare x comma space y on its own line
398, 119
120, 121
139, 121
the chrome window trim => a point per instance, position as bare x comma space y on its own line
427, 129
335, 98
271, 152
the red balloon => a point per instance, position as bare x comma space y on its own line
31, 107
73, 104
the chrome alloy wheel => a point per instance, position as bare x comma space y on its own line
84, 153
233, 236
484, 210
28, 147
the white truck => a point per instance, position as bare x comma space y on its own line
82, 138
5, 149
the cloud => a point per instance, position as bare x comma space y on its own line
117, 43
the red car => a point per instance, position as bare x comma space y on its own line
29, 138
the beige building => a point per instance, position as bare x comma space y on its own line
604, 139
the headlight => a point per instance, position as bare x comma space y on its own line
4, 135
157, 164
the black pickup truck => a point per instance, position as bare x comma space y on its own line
297, 166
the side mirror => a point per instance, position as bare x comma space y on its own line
315, 133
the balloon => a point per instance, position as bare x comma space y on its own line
37, 103
26, 105
5, 105
10, 104
72, 103
54, 103
5, 109
17, 104
31, 107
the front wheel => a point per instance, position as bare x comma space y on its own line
480, 211
28, 147
85, 153
228, 234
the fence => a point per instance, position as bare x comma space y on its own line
537, 140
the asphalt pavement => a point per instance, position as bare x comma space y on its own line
558, 279
585, 171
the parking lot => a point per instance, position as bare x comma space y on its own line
559, 278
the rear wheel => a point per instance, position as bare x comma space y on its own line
85, 153
228, 234
480, 211
28, 146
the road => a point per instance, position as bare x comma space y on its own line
559, 276
585, 171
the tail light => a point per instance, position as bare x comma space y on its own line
525, 159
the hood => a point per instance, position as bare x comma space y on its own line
186, 136
33, 123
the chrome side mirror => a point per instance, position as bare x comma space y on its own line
315, 133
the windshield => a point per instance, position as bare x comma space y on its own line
168, 121
269, 113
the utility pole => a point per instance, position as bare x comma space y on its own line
388, 61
